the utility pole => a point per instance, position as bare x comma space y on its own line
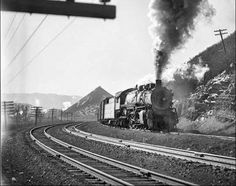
61, 114
71, 114
17, 110
5, 113
52, 110
37, 113
25, 112
67, 116
220, 33
52, 115
8, 109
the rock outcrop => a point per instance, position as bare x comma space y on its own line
216, 97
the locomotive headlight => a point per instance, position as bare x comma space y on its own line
164, 99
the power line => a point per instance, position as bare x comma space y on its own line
10, 25
47, 45
16, 29
32, 34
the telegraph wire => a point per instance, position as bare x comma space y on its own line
8, 30
32, 34
40, 52
20, 22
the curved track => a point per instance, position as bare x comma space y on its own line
206, 158
113, 172
230, 138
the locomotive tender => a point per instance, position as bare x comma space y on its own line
147, 106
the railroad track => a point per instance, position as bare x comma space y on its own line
206, 158
230, 138
113, 172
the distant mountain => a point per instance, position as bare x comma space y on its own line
86, 107
45, 100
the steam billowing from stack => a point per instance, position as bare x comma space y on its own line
173, 22
160, 61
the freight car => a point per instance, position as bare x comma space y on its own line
147, 106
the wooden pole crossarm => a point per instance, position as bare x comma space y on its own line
60, 8
220, 33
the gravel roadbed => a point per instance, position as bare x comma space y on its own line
186, 170
25, 163
187, 142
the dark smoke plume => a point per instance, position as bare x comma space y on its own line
173, 21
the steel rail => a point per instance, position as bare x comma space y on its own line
205, 135
206, 158
90, 170
137, 170
230, 138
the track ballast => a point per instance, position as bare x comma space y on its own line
113, 172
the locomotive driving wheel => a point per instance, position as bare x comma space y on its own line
123, 122
131, 120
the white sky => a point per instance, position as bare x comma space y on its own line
114, 54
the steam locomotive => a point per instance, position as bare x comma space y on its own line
147, 106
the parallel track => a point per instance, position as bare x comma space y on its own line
206, 158
229, 138
113, 172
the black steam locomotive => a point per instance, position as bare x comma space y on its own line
148, 106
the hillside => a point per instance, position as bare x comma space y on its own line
85, 108
208, 105
211, 108
216, 59
45, 100
185, 81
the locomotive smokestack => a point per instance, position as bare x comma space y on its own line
158, 83
161, 60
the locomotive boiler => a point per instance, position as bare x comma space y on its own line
147, 106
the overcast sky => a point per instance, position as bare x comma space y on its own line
114, 54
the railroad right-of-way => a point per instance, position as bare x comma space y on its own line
206, 158
102, 169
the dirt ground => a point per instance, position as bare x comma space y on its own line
24, 163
